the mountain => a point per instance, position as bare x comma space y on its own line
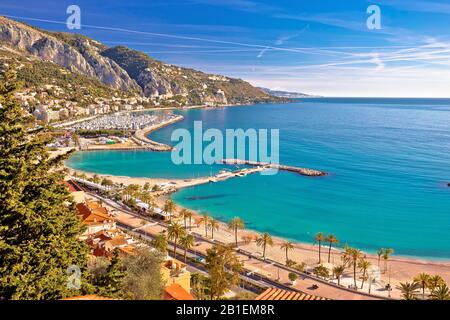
127, 72
286, 94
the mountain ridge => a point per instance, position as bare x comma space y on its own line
127, 70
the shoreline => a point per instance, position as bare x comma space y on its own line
142, 180
404, 268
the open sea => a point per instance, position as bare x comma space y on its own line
388, 162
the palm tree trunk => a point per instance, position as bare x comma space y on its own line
185, 255
287, 258
329, 253
354, 273
264, 252
363, 277
235, 236
339, 280
185, 224
320, 258
190, 224
175, 248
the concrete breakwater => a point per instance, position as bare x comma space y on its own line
301, 171
140, 136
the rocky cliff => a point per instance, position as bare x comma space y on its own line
127, 70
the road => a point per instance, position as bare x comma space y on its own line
272, 274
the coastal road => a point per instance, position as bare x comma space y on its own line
278, 273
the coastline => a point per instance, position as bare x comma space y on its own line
404, 268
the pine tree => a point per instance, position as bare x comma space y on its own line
111, 284
39, 228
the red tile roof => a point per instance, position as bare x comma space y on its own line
279, 294
176, 292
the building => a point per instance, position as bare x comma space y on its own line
174, 271
279, 294
76, 192
176, 292
95, 219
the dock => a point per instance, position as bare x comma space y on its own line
301, 171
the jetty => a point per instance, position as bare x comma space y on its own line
301, 171
140, 136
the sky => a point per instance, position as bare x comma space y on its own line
320, 47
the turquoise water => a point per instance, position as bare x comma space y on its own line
388, 159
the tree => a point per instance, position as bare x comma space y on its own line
292, 276
111, 284
186, 214
319, 238
96, 179
263, 241
380, 254
146, 187
205, 220
223, 267
386, 255
175, 231
213, 225
423, 280
351, 256
39, 228
169, 208
441, 293
338, 271
236, 224
287, 245
143, 280
107, 183
200, 285
331, 239
159, 242
187, 242
435, 281
363, 265
409, 290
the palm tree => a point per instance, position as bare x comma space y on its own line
441, 293
175, 231
264, 240
434, 282
187, 242
319, 238
380, 252
287, 245
159, 242
331, 239
363, 265
351, 256
423, 280
386, 255
338, 271
169, 207
236, 224
204, 219
409, 290
213, 225
186, 214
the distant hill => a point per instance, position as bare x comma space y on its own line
287, 94
81, 66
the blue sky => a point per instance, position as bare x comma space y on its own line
320, 47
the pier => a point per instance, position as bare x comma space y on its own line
301, 171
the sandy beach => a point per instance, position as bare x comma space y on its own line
402, 269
